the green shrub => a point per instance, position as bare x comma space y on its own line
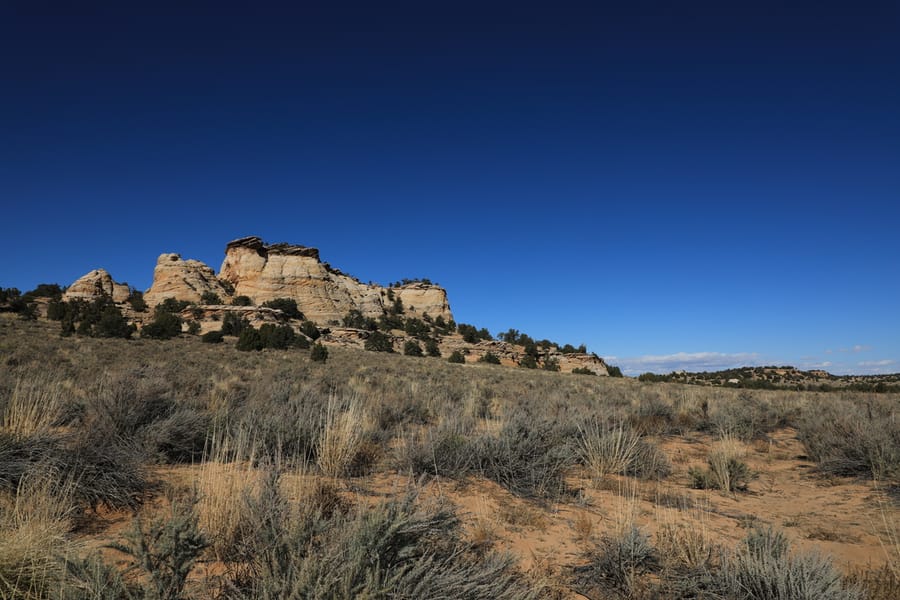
233, 324
171, 305
241, 301
165, 550
528, 362
137, 302
582, 371
489, 358
193, 327
210, 298
165, 326
550, 364
319, 353
432, 349
212, 337
286, 305
614, 371
249, 340
356, 320
412, 348
112, 324
56, 310
309, 329
379, 342
457, 357
279, 337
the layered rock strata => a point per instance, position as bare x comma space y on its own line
97, 284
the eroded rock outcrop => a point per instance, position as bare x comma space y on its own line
324, 294
182, 280
97, 284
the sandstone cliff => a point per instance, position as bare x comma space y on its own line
96, 284
182, 280
265, 272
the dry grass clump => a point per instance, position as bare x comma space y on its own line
341, 448
34, 541
36, 406
727, 471
619, 450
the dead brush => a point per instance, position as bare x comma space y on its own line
34, 540
34, 407
341, 437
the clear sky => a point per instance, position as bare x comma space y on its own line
675, 184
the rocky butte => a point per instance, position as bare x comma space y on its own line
265, 272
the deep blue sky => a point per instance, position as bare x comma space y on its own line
685, 184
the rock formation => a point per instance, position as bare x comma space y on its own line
96, 284
265, 272
183, 280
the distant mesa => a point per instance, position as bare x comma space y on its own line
264, 272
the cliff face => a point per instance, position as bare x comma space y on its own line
182, 280
96, 284
265, 272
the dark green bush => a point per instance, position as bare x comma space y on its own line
412, 348
528, 362
165, 326
457, 357
550, 364
241, 301
432, 349
614, 371
249, 340
582, 371
233, 324
309, 329
489, 358
319, 353
112, 324
356, 320
137, 302
279, 337
379, 342
172, 305
212, 337
286, 305
210, 298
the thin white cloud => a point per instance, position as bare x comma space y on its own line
687, 361
876, 363
854, 349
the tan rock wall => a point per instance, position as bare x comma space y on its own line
98, 283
